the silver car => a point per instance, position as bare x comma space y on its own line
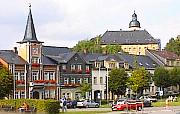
91, 103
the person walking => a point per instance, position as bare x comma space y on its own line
64, 104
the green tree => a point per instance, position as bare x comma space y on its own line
175, 76
6, 83
112, 49
161, 78
117, 81
139, 80
94, 46
89, 46
173, 45
85, 87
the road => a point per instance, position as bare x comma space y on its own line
149, 110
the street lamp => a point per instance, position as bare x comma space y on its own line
107, 89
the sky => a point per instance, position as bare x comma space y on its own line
63, 23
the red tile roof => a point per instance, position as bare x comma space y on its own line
167, 54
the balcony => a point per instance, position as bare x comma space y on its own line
44, 82
88, 71
35, 64
20, 82
72, 85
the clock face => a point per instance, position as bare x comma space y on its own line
34, 51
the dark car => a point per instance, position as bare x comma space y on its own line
147, 103
71, 104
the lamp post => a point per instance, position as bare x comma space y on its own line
107, 89
100, 85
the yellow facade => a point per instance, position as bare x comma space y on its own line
23, 51
138, 49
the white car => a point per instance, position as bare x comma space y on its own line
81, 103
91, 103
148, 98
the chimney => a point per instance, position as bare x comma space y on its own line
15, 50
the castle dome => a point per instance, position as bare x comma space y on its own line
134, 23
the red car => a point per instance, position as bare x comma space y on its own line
128, 105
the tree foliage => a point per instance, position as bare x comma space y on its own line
173, 45
161, 77
117, 81
139, 80
175, 76
6, 83
94, 46
85, 87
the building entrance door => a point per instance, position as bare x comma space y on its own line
35, 95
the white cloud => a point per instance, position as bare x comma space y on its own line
65, 22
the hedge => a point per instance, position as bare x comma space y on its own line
51, 106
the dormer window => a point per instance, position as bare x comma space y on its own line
64, 67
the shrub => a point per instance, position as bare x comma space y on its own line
41, 105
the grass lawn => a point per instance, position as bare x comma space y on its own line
105, 106
162, 104
86, 112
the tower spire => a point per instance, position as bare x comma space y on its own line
30, 33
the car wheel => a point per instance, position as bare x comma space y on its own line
139, 108
97, 106
87, 106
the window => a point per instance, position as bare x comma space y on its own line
87, 67
79, 80
66, 80
112, 65
79, 67
95, 80
22, 94
85, 80
22, 76
51, 75
73, 67
64, 95
72, 80
101, 80
68, 95
35, 60
97, 64
16, 74
46, 75
64, 67
46, 93
52, 94
17, 95
34, 75
129, 49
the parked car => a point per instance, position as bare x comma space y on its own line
71, 104
148, 98
91, 103
128, 105
147, 103
81, 103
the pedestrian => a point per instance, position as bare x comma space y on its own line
64, 104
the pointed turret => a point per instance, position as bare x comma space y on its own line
30, 33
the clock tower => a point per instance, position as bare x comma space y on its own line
30, 48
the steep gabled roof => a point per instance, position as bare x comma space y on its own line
142, 60
48, 61
54, 51
128, 37
10, 57
165, 54
62, 58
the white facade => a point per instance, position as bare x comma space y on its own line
99, 83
